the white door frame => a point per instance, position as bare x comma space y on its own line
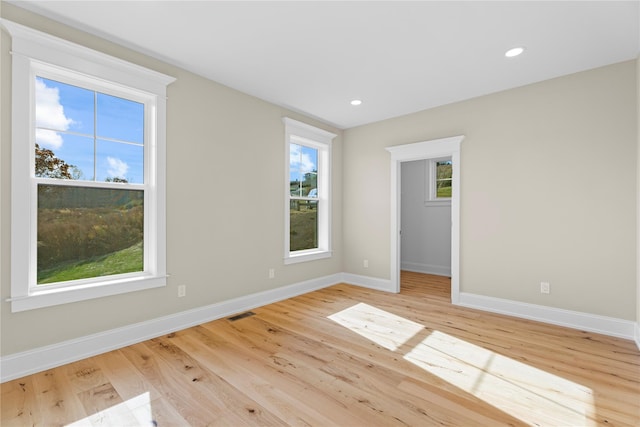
432, 149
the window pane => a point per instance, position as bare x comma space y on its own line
296, 188
303, 223
120, 162
63, 107
443, 188
119, 118
303, 170
75, 154
88, 232
444, 169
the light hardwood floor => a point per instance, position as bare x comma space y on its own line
346, 356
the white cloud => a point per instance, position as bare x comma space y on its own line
48, 138
300, 161
117, 168
50, 115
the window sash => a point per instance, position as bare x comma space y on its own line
305, 238
35, 222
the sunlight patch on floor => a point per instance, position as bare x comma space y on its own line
132, 412
383, 328
525, 392
530, 394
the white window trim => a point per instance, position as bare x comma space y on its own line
430, 198
302, 133
33, 49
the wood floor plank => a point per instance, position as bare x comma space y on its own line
310, 397
346, 356
295, 354
57, 403
228, 399
289, 371
179, 388
18, 402
125, 377
289, 406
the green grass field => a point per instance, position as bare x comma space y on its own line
304, 229
444, 192
125, 261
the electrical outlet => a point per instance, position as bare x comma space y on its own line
545, 287
272, 273
366, 263
182, 290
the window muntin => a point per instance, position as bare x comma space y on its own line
308, 199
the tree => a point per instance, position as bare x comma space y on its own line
50, 166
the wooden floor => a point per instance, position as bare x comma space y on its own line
346, 356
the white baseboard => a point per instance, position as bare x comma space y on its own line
439, 270
29, 362
368, 282
573, 319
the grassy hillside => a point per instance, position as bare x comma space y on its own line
124, 261
304, 229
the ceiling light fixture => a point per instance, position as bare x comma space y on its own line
514, 52
356, 102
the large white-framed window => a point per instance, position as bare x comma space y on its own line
88, 173
307, 192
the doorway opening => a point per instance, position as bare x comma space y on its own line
426, 150
425, 220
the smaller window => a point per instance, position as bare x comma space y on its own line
439, 180
308, 192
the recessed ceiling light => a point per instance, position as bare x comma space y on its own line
356, 102
514, 52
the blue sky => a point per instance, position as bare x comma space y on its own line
68, 124
302, 160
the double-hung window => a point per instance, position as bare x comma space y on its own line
439, 180
307, 192
88, 160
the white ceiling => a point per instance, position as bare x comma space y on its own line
398, 57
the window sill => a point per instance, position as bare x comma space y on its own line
433, 203
304, 256
51, 297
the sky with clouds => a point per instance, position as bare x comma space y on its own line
97, 133
104, 134
302, 160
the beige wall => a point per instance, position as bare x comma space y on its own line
225, 204
548, 193
548, 190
